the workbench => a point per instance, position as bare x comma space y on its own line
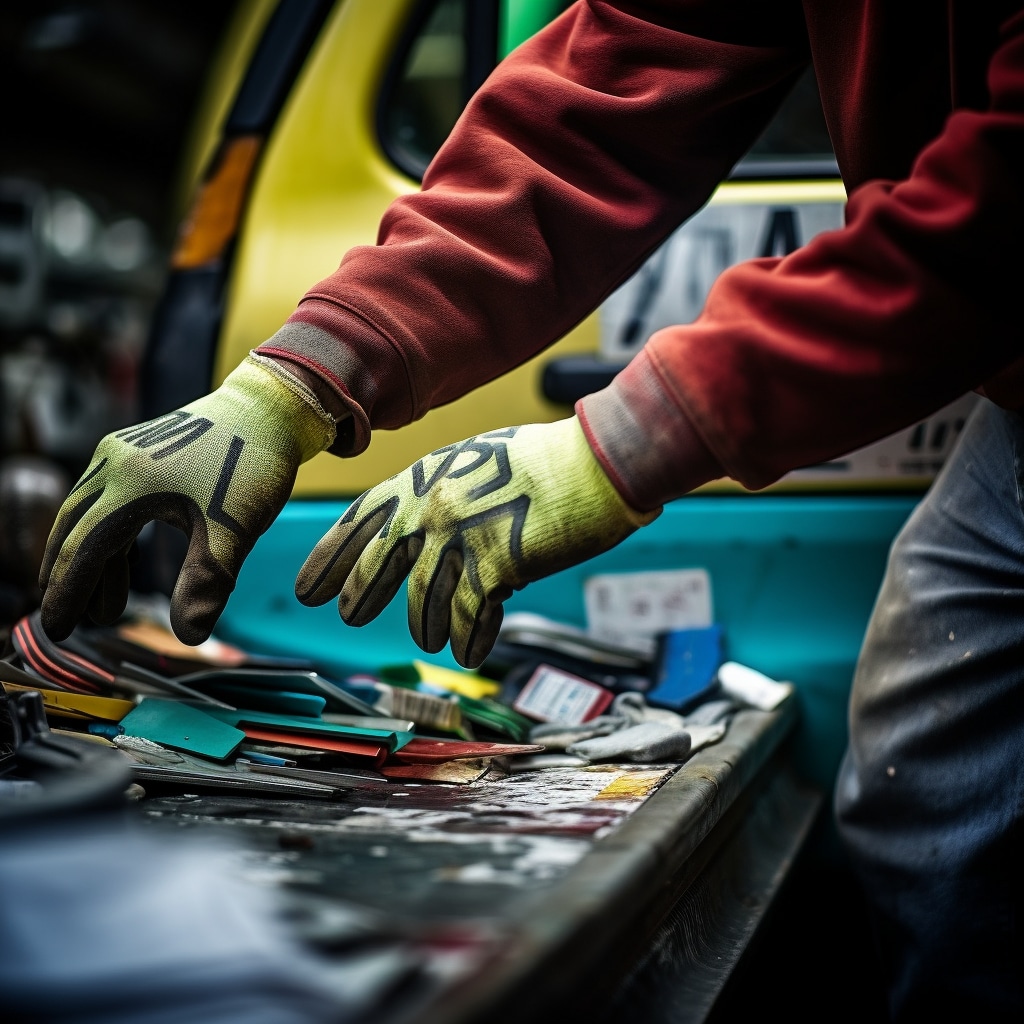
603, 893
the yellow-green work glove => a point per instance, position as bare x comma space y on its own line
220, 469
469, 524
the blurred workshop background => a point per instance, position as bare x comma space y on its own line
96, 137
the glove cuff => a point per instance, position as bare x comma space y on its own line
600, 482
284, 398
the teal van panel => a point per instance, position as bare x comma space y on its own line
793, 581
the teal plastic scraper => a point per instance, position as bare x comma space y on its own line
182, 727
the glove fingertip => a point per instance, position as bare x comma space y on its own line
428, 644
430, 601
323, 571
193, 628
199, 596
65, 596
110, 598
329, 565
49, 559
310, 591
482, 637
106, 610
361, 600
56, 626
44, 574
358, 609
64, 601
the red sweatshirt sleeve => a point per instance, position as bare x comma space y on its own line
861, 332
583, 151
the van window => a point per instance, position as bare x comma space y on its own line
427, 91
796, 141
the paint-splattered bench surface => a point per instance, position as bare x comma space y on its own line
529, 894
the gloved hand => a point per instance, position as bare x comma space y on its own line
470, 523
220, 469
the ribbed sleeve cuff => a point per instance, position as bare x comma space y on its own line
647, 445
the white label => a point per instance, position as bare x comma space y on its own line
751, 687
551, 695
639, 605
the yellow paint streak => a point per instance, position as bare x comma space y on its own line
632, 786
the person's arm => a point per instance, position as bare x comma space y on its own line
585, 148
862, 331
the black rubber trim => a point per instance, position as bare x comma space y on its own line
788, 169
177, 365
482, 23
280, 53
481, 35
568, 379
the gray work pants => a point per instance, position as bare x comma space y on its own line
930, 796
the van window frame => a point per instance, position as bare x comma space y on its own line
481, 38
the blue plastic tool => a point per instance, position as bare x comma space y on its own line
685, 667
